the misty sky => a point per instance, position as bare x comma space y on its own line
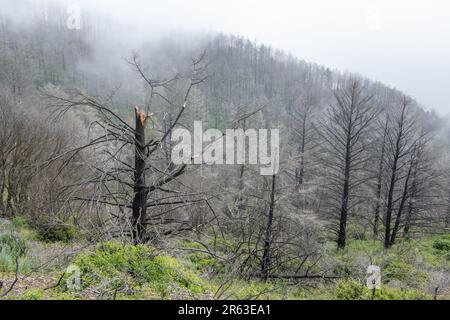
403, 43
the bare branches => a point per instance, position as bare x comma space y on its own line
115, 141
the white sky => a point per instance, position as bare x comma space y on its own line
404, 44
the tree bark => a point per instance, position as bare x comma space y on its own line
266, 259
342, 233
376, 219
405, 195
140, 190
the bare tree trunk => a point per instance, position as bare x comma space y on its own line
402, 143
393, 180
390, 205
301, 170
409, 213
140, 190
405, 195
376, 220
344, 202
240, 196
266, 259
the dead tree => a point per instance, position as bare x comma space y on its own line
421, 187
405, 194
266, 258
304, 133
118, 183
344, 133
379, 184
402, 140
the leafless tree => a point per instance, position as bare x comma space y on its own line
117, 183
403, 144
344, 134
379, 175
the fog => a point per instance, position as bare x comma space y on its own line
403, 44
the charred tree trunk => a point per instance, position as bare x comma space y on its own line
302, 148
390, 204
342, 233
140, 189
376, 219
410, 212
405, 195
401, 145
266, 259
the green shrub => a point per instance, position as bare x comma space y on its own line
19, 222
405, 272
13, 246
118, 266
36, 294
352, 289
205, 262
442, 244
57, 233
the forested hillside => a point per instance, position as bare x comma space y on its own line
87, 178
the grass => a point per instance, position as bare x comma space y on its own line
13, 245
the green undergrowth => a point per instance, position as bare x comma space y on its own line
114, 270
14, 246
127, 269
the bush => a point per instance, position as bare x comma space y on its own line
57, 233
205, 263
404, 272
12, 243
442, 244
118, 266
352, 289
11, 247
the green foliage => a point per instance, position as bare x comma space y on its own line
12, 246
352, 289
40, 294
19, 222
205, 263
15, 245
405, 272
120, 266
442, 244
32, 294
57, 233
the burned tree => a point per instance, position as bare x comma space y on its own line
304, 132
266, 258
345, 144
118, 183
403, 139
379, 176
